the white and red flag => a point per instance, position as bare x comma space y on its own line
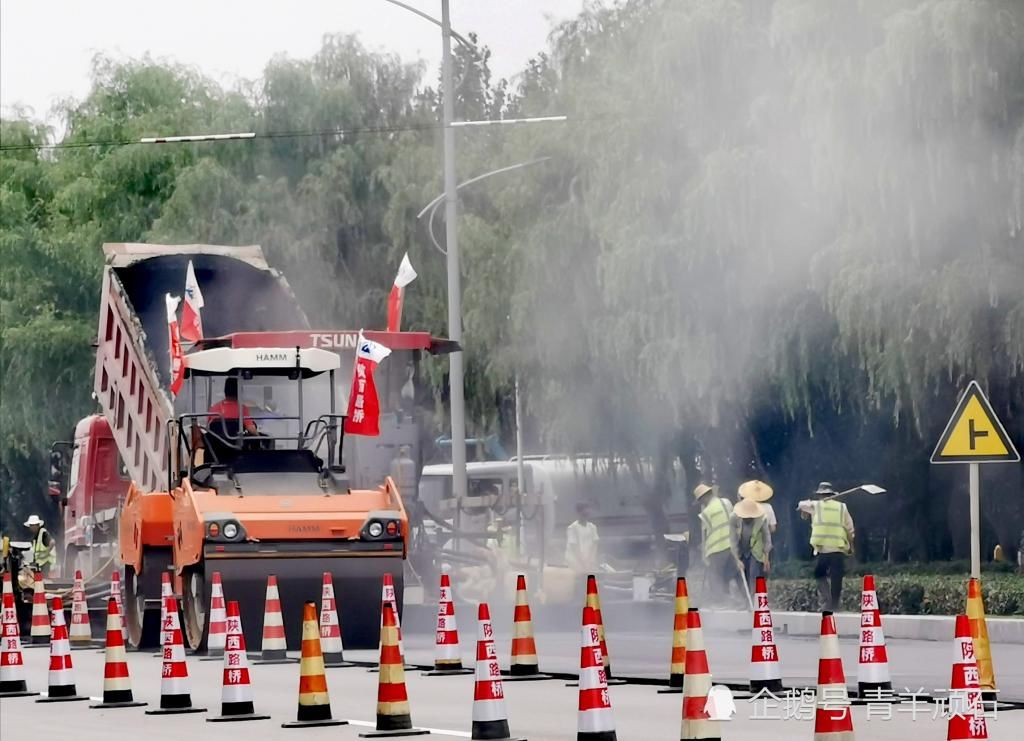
191, 318
363, 416
177, 366
406, 275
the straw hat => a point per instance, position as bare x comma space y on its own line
702, 489
755, 490
33, 520
748, 509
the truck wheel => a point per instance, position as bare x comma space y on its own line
194, 601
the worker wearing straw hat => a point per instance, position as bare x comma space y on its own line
752, 538
760, 492
44, 549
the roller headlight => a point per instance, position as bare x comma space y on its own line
230, 530
375, 529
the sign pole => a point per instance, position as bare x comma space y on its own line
975, 521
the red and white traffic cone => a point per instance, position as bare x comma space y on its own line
61, 685
697, 724
117, 686
524, 665
677, 668
873, 664
832, 718
115, 592
393, 715
447, 655
12, 663
387, 596
216, 635
594, 721
966, 712
175, 696
594, 601
39, 634
236, 701
765, 671
274, 649
490, 719
330, 627
81, 631
166, 592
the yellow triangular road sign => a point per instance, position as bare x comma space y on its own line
974, 434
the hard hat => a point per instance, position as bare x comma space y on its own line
824, 488
755, 490
702, 489
748, 509
33, 520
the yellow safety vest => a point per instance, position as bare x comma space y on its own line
715, 517
44, 555
827, 529
756, 537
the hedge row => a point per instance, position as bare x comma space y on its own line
803, 569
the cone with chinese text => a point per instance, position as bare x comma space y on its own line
216, 637
594, 719
873, 662
979, 634
117, 686
393, 717
39, 634
697, 724
274, 649
765, 671
490, 719
12, 663
524, 665
677, 666
968, 720
236, 701
80, 634
447, 653
61, 685
166, 592
594, 602
314, 702
175, 696
832, 718
330, 627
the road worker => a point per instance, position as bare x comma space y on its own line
832, 539
44, 548
752, 539
229, 408
721, 562
581, 542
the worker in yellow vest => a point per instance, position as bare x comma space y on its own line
44, 549
720, 559
832, 539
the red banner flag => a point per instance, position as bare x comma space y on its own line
406, 275
363, 416
191, 319
177, 366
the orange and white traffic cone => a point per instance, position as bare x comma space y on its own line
175, 696
330, 627
979, 634
274, 649
490, 719
594, 602
595, 721
39, 634
216, 634
387, 596
447, 655
832, 718
393, 717
314, 702
117, 686
765, 671
81, 631
677, 667
966, 711
697, 724
115, 592
873, 663
524, 665
12, 663
236, 701
61, 685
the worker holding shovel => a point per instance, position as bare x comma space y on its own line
752, 539
832, 539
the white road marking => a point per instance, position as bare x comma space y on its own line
441, 731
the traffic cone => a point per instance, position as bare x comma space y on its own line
61, 685
490, 719
393, 718
12, 663
967, 721
696, 684
873, 663
832, 718
594, 601
447, 655
594, 720
115, 592
765, 671
117, 687
274, 648
677, 668
330, 627
524, 665
387, 596
314, 702
166, 592
174, 686
39, 635
81, 631
236, 701
979, 634
216, 635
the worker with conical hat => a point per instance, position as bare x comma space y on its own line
832, 540
720, 560
44, 548
760, 492
752, 538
